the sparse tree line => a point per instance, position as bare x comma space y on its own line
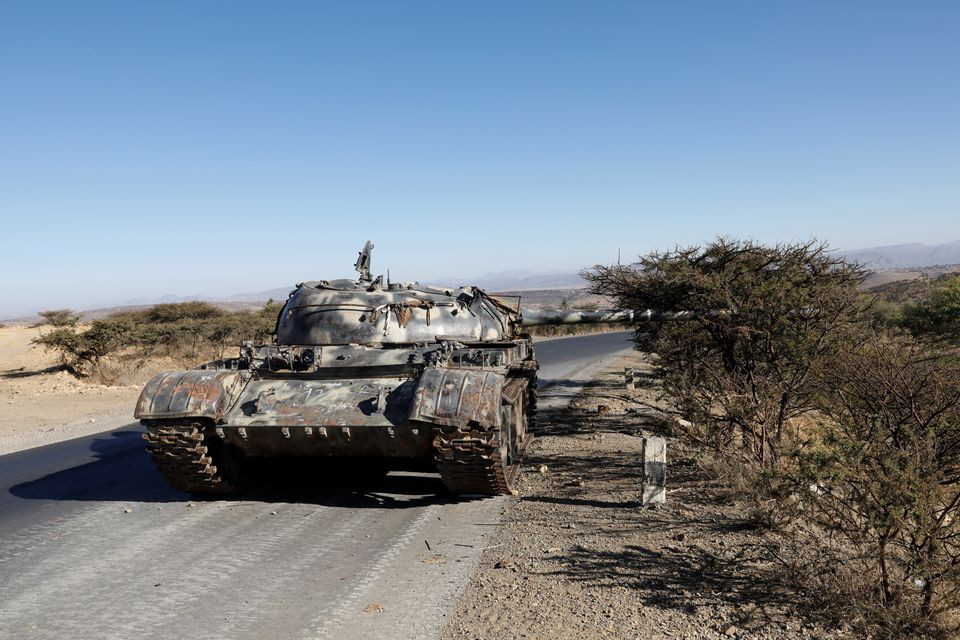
185, 331
842, 420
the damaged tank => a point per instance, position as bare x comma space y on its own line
362, 368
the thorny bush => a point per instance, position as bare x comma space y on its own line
883, 475
81, 351
936, 316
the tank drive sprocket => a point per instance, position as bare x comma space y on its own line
189, 460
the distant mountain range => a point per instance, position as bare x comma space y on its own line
915, 255
906, 256
259, 296
894, 257
501, 281
524, 280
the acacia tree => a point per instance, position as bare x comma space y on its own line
81, 351
60, 317
761, 320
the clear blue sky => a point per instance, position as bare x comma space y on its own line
226, 147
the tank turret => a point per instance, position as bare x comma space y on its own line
364, 368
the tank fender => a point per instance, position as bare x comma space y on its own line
456, 397
194, 393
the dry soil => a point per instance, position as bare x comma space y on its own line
39, 405
579, 557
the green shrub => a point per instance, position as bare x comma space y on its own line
180, 311
938, 315
81, 351
886, 314
188, 331
886, 473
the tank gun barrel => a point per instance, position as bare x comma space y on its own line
533, 317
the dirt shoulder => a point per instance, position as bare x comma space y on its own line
39, 405
578, 556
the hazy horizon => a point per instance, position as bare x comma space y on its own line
227, 148
280, 291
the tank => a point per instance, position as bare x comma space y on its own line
368, 369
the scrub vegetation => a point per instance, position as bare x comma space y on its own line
838, 411
188, 332
185, 332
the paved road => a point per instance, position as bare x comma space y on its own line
93, 544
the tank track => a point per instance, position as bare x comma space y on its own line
469, 461
182, 457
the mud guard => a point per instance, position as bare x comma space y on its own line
457, 397
196, 394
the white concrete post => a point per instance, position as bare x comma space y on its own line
628, 377
653, 486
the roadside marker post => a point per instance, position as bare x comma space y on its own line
653, 486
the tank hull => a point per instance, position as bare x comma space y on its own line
400, 441
465, 408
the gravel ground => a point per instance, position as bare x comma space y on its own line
579, 557
39, 405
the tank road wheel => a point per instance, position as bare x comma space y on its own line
520, 403
475, 461
192, 461
528, 369
532, 406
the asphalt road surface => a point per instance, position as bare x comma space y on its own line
94, 544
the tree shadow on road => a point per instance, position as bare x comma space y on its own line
699, 552
686, 578
612, 408
23, 372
